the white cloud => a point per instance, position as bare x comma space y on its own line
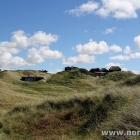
137, 41
120, 57
113, 64
120, 9
7, 61
45, 52
115, 48
109, 30
135, 72
126, 57
127, 50
82, 58
135, 55
20, 40
86, 8
41, 38
124, 69
92, 47
57, 70
8, 47
35, 56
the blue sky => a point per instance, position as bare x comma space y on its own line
48, 34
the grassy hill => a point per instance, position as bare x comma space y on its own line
69, 105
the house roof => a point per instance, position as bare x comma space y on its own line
115, 68
103, 69
32, 77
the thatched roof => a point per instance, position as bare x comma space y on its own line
115, 68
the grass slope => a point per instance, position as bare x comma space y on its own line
68, 105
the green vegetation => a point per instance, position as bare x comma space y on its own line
69, 105
118, 75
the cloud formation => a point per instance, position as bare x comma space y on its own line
35, 56
127, 50
36, 45
93, 47
115, 48
7, 60
86, 8
120, 9
135, 72
81, 58
135, 55
137, 41
120, 57
20, 40
109, 30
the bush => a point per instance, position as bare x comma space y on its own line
87, 72
118, 75
132, 81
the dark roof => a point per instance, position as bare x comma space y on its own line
67, 68
32, 77
115, 68
103, 70
44, 71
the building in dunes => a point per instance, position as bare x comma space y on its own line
31, 78
114, 68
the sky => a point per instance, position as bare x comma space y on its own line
50, 34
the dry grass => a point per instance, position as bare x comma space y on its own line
50, 111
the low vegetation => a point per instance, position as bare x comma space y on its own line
69, 105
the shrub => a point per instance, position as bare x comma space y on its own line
133, 81
87, 72
118, 75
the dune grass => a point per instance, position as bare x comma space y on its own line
81, 109
78, 116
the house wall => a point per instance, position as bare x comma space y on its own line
30, 79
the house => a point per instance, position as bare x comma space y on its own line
103, 70
114, 68
72, 68
94, 70
67, 68
31, 78
101, 73
44, 71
